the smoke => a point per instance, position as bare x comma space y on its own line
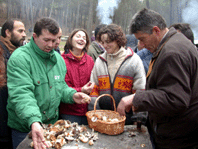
105, 9
190, 15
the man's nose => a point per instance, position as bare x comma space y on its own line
24, 34
51, 44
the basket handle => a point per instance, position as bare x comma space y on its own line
102, 96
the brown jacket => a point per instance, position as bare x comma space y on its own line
2, 69
171, 95
3, 58
5, 134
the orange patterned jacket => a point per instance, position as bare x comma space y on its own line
129, 78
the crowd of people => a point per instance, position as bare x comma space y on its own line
153, 71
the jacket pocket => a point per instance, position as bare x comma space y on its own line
39, 80
41, 91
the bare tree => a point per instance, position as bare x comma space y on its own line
147, 4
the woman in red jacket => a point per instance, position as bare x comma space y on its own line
79, 66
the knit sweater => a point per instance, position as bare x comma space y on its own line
129, 77
114, 61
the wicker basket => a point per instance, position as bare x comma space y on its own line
110, 128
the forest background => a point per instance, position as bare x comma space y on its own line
87, 14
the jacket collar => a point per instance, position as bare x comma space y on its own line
44, 55
171, 32
70, 56
8, 44
129, 53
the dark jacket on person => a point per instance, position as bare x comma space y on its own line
145, 55
6, 48
131, 42
57, 50
171, 96
95, 50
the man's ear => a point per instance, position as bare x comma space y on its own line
8, 33
34, 35
156, 30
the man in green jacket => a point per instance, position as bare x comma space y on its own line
36, 84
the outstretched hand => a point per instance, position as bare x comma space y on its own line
37, 136
81, 98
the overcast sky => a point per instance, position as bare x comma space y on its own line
105, 7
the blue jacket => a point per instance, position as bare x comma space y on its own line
145, 55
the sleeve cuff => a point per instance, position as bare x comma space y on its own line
32, 120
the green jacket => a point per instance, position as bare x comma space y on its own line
36, 85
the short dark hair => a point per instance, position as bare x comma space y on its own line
97, 29
145, 20
46, 23
185, 29
115, 33
69, 46
9, 24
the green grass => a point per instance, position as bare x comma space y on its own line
61, 45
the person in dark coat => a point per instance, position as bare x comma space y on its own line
56, 48
131, 42
95, 48
171, 96
12, 36
145, 55
185, 29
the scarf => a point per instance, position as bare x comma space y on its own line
8, 44
77, 57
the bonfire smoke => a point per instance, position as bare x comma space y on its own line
190, 14
105, 9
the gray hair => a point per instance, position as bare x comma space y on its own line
145, 20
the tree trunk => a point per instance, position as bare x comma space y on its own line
77, 14
171, 10
90, 19
51, 9
147, 4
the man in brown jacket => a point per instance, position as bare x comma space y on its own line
171, 96
12, 36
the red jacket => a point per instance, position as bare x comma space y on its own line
78, 74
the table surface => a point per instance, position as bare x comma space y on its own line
141, 140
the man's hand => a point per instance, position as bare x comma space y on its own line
87, 88
81, 98
37, 136
125, 104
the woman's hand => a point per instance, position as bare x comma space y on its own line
87, 88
